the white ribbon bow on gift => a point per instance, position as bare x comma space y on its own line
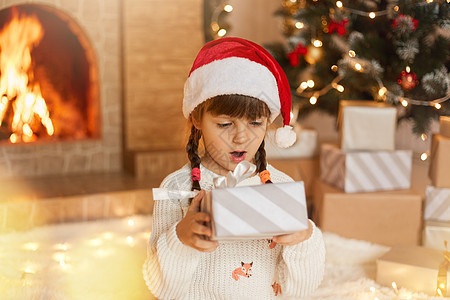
242, 171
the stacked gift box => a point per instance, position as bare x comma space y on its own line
364, 188
427, 268
437, 200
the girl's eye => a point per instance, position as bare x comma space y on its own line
223, 125
256, 123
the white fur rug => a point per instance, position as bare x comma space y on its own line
103, 260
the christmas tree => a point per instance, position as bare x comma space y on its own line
377, 50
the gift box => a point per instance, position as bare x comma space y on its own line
437, 204
412, 267
304, 147
435, 233
439, 170
444, 126
387, 218
366, 125
365, 171
256, 212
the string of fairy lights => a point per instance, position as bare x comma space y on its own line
357, 64
361, 66
218, 30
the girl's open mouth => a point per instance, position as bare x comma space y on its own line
238, 156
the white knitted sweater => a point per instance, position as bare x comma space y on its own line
173, 270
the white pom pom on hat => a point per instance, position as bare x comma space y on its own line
237, 66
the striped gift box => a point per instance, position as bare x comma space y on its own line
365, 171
256, 212
437, 204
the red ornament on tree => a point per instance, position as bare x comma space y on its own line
294, 55
338, 26
408, 80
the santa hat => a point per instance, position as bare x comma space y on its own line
237, 66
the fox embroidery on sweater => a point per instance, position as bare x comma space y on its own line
245, 270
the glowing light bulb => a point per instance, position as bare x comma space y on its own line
358, 67
299, 25
340, 88
423, 156
424, 137
310, 83
438, 106
372, 15
29, 269
382, 91
130, 222
372, 289
95, 242
107, 235
396, 8
339, 4
130, 240
351, 53
408, 69
429, 1
31, 246
334, 68
317, 43
304, 85
61, 247
404, 103
221, 32
313, 100
228, 8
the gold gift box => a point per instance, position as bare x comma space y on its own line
412, 267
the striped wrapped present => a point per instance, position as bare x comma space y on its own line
437, 204
365, 171
256, 212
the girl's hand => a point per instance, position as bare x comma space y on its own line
192, 231
293, 238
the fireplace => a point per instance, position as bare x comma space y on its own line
67, 117
47, 77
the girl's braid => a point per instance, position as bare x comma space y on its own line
194, 158
260, 161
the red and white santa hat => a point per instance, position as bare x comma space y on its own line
237, 66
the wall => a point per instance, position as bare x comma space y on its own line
161, 40
255, 20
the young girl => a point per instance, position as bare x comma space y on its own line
234, 90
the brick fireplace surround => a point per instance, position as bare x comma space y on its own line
143, 50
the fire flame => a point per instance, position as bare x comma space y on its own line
16, 91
